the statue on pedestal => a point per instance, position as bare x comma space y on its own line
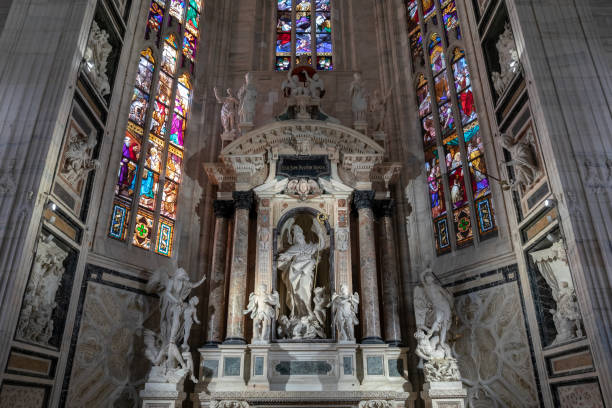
524, 161
169, 364
248, 98
378, 109
229, 114
344, 308
433, 315
359, 101
263, 307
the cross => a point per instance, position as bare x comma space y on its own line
463, 224
142, 230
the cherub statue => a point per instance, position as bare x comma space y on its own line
428, 346
263, 307
315, 84
189, 316
229, 109
344, 309
291, 86
378, 109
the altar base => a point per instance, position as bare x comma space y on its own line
444, 394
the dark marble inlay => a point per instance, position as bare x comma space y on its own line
303, 368
231, 366
210, 368
375, 365
396, 367
347, 365
259, 366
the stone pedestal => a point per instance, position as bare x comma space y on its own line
258, 377
222, 368
163, 395
384, 368
444, 394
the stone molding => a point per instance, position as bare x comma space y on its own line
291, 396
223, 208
363, 199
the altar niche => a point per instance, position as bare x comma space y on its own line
304, 276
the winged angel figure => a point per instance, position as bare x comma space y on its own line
169, 364
344, 309
298, 265
263, 307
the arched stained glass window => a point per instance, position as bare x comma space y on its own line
304, 34
458, 185
148, 183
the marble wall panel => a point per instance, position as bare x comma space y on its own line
22, 396
493, 348
585, 395
109, 366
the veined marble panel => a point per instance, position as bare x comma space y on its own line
19, 396
109, 362
585, 395
493, 349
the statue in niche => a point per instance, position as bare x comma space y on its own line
298, 265
433, 315
169, 364
229, 112
263, 307
554, 268
96, 58
508, 60
378, 109
248, 99
524, 161
77, 157
344, 308
359, 101
35, 322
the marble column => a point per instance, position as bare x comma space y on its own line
389, 277
224, 209
370, 314
243, 200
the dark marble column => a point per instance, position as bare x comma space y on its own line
389, 277
224, 210
243, 200
370, 315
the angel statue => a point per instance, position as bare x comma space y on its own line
173, 290
344, 310
263, 307
298, 265
433, 315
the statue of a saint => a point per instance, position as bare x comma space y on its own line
248, 98
263, 307
344, 308
229, 111
359, 102
378, 109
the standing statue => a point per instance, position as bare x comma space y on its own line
359, 101
321, 303
263, 307
189, 317
524, 161
344, 309
248, 98
509, 62
378, 109
291, 86
298, 266
433, 315
315, 84
168, 362
229, 108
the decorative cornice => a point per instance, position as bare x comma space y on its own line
363, 199
223, 208
243, 200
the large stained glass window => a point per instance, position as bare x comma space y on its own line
150, 168
304, 34
457, 180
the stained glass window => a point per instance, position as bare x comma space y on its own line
303, 34
150, 168
455, 167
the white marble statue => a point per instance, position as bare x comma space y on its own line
524, 161
298, 266
263, 307
321, 303
229, 113
77, 157
554, 267
378, 109
315, 84
433, 315
168, 362
96, 58
190, 315
508, 60
344, 309
358, 96
35, 321
291, 86
248, 99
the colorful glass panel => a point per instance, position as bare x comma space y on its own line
452, 152
149, 185
143, 230
442, 239
174, 164
169, 198
154, 154
192, 18
138, 107
126, 179
436, 54
283, 63
165, 237
302, 23
156, 16
463, 226
429, 130
120, 217
177, 130
457, 188
450, 16
436, 195
442, 91
303, 43
303, 59
169, 56
324, 63
413, 15
486, 218
324, 44
428, 8
159, 118
323, 23
190, 44
466, 106
131, 147
196, 5
284, 5
424, 100
416, 45
181, 104
177, 8
302, 5
144, 76
432, 163
283, 43
471, 134
322, 5
480, 181
283, 24
447, 121
164, 88
462, 75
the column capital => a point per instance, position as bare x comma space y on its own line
384, 208
223, 208
243, 200
363, 199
